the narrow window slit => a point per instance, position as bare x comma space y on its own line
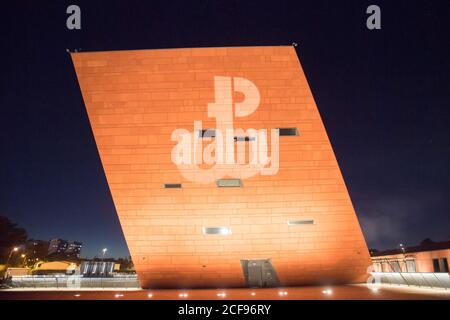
172, 185
299, 222
223, 231
229, 183
207, 133
288, 132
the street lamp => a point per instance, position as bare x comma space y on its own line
23, 256
102, 267
103, 253
15, 249
402, 247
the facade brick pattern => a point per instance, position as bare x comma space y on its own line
135, 99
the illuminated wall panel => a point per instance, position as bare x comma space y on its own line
185, 233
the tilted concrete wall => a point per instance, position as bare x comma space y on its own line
135, 99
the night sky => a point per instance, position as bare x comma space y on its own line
384, 96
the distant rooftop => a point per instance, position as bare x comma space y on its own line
425, 245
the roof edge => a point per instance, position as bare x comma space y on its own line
180, 48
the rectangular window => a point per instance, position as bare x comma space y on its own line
436, 265
244, 139
288, 132
410, 265
444, 265
223, 231
229, 183
299, 222
207, 133
403, 267
395, 266
376, 267
172, 185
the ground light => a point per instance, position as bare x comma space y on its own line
327, 291
282, 293
118, 295
150, 295
183, 295
253, 294
222, 294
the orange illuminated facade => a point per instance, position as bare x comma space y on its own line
213, 226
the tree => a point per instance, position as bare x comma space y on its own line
10, 236
427, 242
125, 264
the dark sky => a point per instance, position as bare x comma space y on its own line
384, 96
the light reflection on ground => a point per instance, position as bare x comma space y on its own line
348, 292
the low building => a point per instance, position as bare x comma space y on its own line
429, 256
17, 272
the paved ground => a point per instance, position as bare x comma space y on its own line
350, 292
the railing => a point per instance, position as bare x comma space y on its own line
75, 282
419, 279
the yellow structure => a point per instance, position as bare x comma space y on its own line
54, 267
